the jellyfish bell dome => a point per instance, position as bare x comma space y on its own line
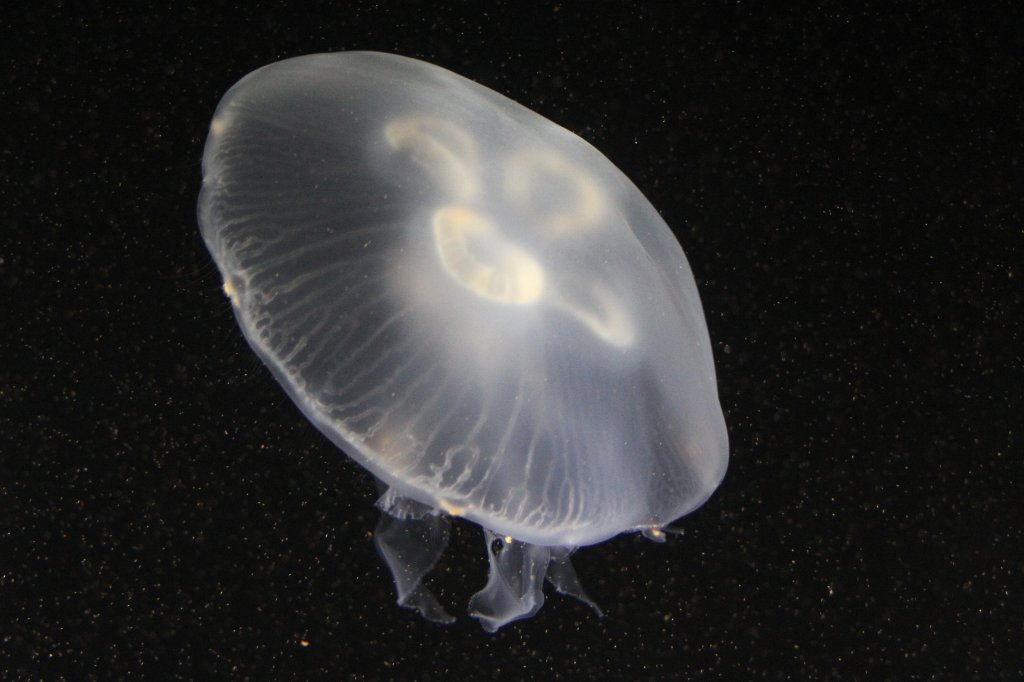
474, 304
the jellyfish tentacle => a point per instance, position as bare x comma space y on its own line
411, 537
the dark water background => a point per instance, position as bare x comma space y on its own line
847, 187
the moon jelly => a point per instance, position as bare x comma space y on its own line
474, 304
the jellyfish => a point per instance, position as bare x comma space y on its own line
471, 302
